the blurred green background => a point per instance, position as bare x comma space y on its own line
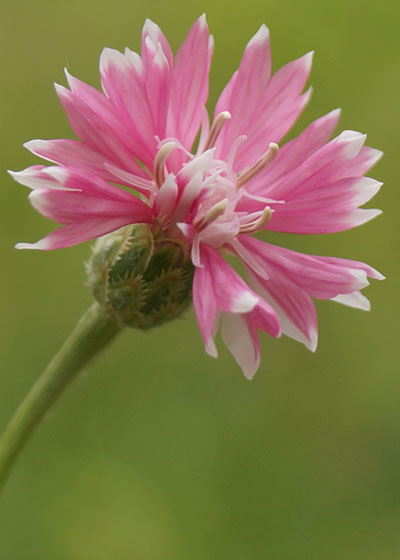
158, 451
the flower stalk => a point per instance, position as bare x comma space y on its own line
93, 332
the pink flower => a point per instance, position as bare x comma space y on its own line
140, 133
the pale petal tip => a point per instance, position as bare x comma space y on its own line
19, 176
160, 59
211, 349
69, 76
354, 140
38, 245
33, 144
306, 97
308, 58
244, 303
377, 154
335, 114
312, 340
261, 37
150, 28
361, 216
112, 57
355, 300
202, 21
61, 91
251, 369
58, 173
376, 275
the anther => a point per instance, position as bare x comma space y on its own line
264, 160
259, 223
211, 215
160, 161
215, 129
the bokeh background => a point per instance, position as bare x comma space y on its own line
158, 451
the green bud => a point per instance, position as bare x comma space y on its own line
141, 278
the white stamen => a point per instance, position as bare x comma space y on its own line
257, 224
215, 130
264, 160
160, 160
211, 215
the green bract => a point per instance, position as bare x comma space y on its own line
141, 278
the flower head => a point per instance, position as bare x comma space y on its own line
141, 132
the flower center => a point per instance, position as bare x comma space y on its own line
206, 196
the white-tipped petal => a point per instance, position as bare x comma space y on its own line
355, 299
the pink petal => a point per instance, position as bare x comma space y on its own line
65, 206
165, 201
292, 305
320, 194
320, 277
247, 89
34, 177
151, 37
324, 166
291, 302
218, 291
328, 208
102, 131
295, 152
240, 334
297, 221
224, 100
76, 154
158, 89
231, 292
355, 299
363, 162
204, 302
77, 232
75, 197
190, 86
242, 342
279, 105
123, 80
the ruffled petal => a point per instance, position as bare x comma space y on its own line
292, 304
320, 277
295, 152
219, 292
322, 194
294, 277
72, 153
279, 104
75, 197
100, 129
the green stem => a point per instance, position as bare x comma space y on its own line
90, 336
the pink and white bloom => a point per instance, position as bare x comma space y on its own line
215, 193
